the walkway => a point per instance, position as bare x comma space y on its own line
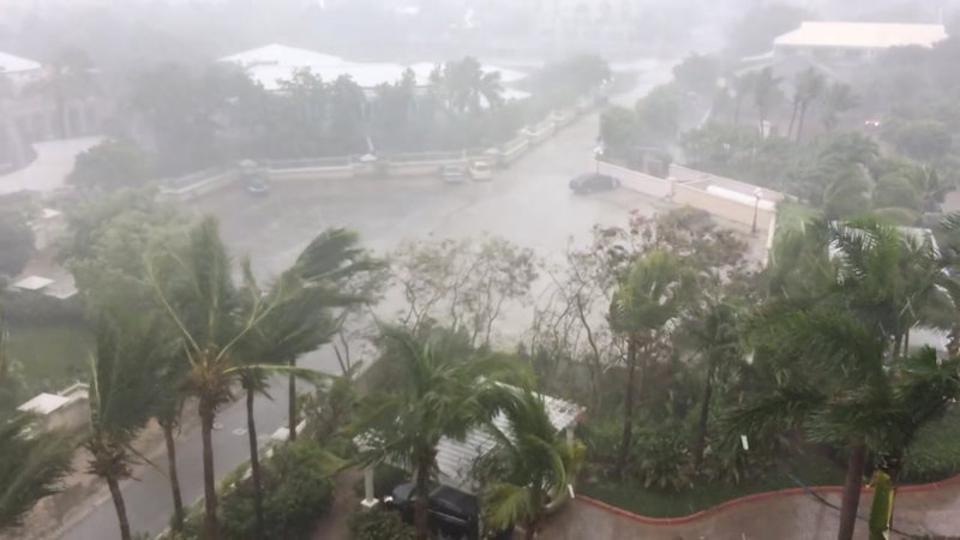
49, 171
932, 509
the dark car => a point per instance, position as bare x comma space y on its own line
591, 182
454, 514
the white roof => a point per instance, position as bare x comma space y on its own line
13, 64
44, 404
33, 283
859, 35
276, 62
455, 459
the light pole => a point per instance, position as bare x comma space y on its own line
757, 194
597, 152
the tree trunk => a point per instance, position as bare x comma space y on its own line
803, 116
736, 111
530, 530
793, 117
851, 492
177, 524
292, 403
211, 527
702, 423
628, 406
255, 467
120, 506
421, 508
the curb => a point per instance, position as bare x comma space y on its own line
746, 499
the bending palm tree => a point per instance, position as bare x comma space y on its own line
122, 397
532, 464
650, 296
435, 395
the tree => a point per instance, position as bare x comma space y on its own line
122, 395
809, 87
465, 285
924, 140
110, 165
839, 98
530, 468
435, 393
16, 244
465, 87
658, 116
742, 86
651, 295
215, 317
717, 338
837, 352
698, 74
766, 90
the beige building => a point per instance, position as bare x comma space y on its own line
839, 42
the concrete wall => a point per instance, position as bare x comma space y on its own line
691, 195
638, 181
686, 174
197, 184
311, 173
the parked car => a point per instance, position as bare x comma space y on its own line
454, 174
591, 182
257, 186
481, 171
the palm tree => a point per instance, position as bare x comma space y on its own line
531, 466
32, 466
340, 275
437, 391
766, 89
227, 329
122, 396
651, 295
69, 76
742, 85
168, 412
717, 338
838, 99
810, 85
837, 351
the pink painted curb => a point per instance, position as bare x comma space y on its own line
754, 497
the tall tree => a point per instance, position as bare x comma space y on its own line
122, 396
216, 317
651, 295
809, 87
838, 99
437, 391
766, 90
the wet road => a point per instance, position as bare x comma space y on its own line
529, 204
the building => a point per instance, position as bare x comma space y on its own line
840, 42
35, 107
273, 63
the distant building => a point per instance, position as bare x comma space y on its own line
31, 112
854, 41
273, 63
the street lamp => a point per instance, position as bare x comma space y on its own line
597, 152
757, 194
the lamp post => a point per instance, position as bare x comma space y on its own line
757, 194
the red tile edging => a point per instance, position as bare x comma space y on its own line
680, 520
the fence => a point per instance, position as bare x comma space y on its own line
399, 165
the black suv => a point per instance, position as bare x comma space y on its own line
591, 182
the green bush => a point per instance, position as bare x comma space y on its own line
379, 524
297, 490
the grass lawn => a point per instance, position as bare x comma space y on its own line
811, 470
50, 357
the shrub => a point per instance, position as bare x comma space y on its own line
297, 489
385, 478
379, 524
